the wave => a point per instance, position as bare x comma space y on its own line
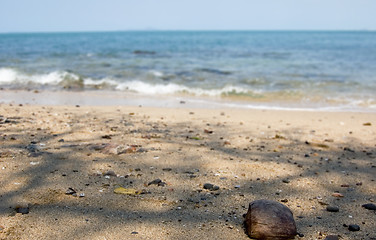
13, 78
257, 91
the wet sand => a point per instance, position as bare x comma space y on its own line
306, 160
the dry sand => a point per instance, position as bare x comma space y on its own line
300, 158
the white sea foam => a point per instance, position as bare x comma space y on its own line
172, 88
12, 76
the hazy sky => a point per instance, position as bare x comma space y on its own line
97, 15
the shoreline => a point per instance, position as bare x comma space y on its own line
120, 98
306, 160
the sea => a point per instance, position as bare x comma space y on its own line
302, 70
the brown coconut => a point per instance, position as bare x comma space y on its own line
269, 220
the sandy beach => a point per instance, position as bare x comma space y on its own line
100, 172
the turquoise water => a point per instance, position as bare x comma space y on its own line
309, 69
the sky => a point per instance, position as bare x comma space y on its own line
115, 15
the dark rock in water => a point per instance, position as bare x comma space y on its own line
332, 209
270, 220
142, 52
369, 206
331, 237
354, 227
211, 187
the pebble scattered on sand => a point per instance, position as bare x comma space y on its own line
354, 227
332, 209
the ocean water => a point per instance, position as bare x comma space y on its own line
291, 69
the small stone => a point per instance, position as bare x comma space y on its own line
157, 182
331, 237
110, 173
369, 206
269, 220
70, 191
332, 209
354, 228
134, 232
167, 169
22, 209
210, 187
286, 181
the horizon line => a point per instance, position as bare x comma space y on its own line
191, 30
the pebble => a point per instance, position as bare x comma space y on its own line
331, 237
22, 209
70, 191
157, 182
354, 227
268, 219
369, 206
211, 187
332, 209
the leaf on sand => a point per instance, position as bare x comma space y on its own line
127, 191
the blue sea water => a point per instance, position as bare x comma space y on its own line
313, 69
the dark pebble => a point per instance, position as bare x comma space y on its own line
167, 169
369, 206
157, 182
210, 187
286, 181
354, 227
70, 191
110, 173
23, 210
332, 209
61, 140
300, 234
331, 237
134, 232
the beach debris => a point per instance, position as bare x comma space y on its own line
107, 136
127, 191
81, 195
208, 131
369, 206
166, 169
367, 124
354, 228
315, 144
332, 209
348, 149
268, 219
211, 187
331, 237
116, 149
338, 195
278, 136
157, 182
